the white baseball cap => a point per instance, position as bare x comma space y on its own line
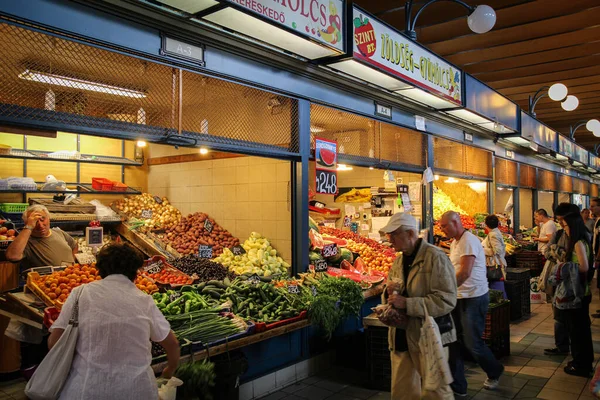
400, 220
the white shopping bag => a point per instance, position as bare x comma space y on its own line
168, 391
536, 296
435, 369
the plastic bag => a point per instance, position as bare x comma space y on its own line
536, 296
434, 365
168, 391
23, 333
391, 316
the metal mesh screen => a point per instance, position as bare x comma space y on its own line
580, 186
593, 190
547, 180
365, 139
528, 176
565, 184
55, 82
454, 157
506, 172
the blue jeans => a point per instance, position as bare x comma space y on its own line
469, 317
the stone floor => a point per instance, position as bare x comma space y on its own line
529, 373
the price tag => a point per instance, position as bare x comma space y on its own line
158, 200
94, 237
153, 267
205, 251
238, 250
174, 296
208, 226
347, 221
329, 250
293, 289
326, 182
313, 289
146, 214
254, 279
320, 266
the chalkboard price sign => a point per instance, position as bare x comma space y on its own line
158, 200
320, 266
326, 182
329, 250
153, 267
238, 250
146, 214
94, 236
293, 289
205, 251
208, 226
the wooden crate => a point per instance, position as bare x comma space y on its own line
75, 206
32, 286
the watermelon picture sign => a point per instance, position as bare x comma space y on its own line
326, 166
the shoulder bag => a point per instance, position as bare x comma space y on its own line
494, 272
50, 376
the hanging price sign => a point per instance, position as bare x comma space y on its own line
329, 250
326, 166
205, 251
208, 226
320, 266
157, 199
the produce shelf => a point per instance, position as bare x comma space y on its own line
86, 158
81, 188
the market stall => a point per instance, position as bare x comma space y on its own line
506, 196
527, 186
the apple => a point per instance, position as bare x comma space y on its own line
3, 230
11, 232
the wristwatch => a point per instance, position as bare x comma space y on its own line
28, 227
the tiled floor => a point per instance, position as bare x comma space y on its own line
529, 373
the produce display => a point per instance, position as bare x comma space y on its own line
145, 284
206, 270
193, 231
167, 275
148, 213
181, 302
443, 203
259, 258
7, 233
85, 249
206, 326
58, 285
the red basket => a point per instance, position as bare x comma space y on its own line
261, 326
102, 184
50, 315
119, 187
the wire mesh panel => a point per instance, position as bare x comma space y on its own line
528, 176
506, 172
456, 158
547, 180
57, 82
593, 190
580, 186
565, 184
478, 162
401, 145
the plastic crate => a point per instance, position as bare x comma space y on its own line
119, 187
518, 274
532, 260
102, 184
499, 345
511, 261
379, 365
13, 208
497, 320
518, 294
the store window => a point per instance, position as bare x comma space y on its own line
465, 196
526, 208
546, 201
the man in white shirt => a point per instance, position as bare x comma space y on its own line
468, 258
547, 228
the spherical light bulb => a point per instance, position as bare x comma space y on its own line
596, 133
570, 103
558, 92
482, 20
593, 125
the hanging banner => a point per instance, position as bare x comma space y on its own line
326, 166
388, 50
321, 20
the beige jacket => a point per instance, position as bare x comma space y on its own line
431, 282
494, 249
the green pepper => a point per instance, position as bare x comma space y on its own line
186, 288
188, 305
175, 310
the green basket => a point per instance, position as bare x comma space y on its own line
13, 207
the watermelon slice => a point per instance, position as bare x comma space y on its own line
316, 240
327, 157
359, 265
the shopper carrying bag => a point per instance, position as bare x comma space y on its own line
50, 376
435, 368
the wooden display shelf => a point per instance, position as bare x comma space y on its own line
146, 244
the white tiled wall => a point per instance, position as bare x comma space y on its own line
243, 194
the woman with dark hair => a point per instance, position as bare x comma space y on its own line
576, 316
495, 250
117, 321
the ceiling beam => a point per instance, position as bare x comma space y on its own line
582, 91
530, 89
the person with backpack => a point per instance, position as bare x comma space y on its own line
572, 298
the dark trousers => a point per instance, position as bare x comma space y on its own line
469, 318
561, 333
578, 326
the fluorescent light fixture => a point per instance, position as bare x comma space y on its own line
343, 167
500, 188
428, 99
371, 168
316, 129
189, 6
368, 74
561, 157
519, 140
478, 187
451, 180
141, 143
496, 127
468, 116
570, 103
248, 25
203, 150
74, 83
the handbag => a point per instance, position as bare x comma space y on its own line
50, 376
494, 272
435, 370
444, 323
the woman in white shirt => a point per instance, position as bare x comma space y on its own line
116, 323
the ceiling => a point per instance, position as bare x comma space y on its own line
534, 43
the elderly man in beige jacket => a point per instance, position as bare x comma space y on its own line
421, 277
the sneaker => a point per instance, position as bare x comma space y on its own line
457, 394
555, 351
491, 384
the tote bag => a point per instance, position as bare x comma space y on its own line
50, 376
435, 369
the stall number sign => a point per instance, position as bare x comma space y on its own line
293, 289
329, 250
94, 236
153, 267
320, 266
208, 226
326, 166
238, 250
146, 214
205, 251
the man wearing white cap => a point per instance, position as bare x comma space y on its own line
421, 277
